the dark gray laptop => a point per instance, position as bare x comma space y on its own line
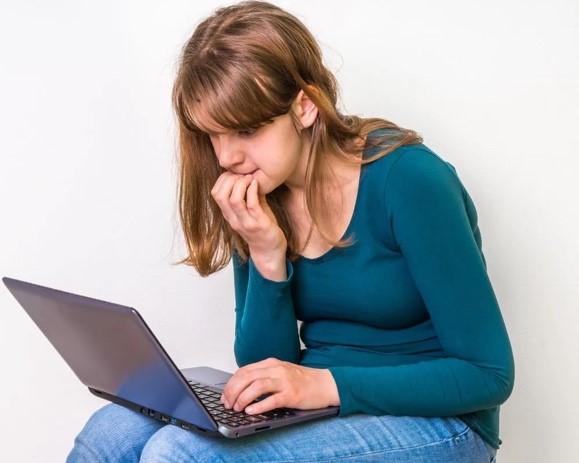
116, 355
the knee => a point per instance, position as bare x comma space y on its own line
174, 445
113, 433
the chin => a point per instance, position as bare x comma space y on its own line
265, 187
264, 190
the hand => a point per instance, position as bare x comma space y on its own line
288, 385
249, 215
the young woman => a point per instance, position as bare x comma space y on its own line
350, 226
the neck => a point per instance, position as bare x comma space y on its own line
297, 181
339, 174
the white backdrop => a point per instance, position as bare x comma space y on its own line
87, 182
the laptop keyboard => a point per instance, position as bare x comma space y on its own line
229, 417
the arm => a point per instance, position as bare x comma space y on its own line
265, 322
427, 209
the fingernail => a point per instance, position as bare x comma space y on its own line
249, 409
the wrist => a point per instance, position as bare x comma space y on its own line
330, 388
270, 265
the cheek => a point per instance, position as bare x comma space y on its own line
216, 150
215, 143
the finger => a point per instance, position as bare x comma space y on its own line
224, 184
241, 380
221, 193
269, 403
237, 384
238, 194
219, 182
253, 205
254, 391
257, 205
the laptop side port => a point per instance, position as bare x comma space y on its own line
165, 418
185, 425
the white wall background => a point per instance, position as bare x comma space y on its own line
87, 182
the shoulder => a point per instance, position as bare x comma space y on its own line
413, 178
415, 165
422, 168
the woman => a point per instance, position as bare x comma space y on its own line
352, 227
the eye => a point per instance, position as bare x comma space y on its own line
247, 132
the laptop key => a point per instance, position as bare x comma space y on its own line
253, 419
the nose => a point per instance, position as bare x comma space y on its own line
228, 153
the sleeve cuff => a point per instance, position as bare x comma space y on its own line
341, 377
257, 277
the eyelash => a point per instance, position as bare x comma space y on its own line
247, 132
250, 131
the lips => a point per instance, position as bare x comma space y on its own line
252, 173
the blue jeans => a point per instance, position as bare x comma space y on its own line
116, 434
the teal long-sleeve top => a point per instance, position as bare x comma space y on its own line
405, 318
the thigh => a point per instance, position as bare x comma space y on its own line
113, 434
358, 438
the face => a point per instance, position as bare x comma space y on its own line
274, 154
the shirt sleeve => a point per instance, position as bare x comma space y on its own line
265, 321
426, 207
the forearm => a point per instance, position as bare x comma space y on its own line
266, 325
271, 265
441, 387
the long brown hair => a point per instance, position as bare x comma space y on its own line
243, 66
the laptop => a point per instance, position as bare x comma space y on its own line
116, 355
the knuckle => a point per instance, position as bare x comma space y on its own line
259, 385
276, 400
251, 228
253, 206
218, 196
236, 203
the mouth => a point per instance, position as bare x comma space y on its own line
252, 173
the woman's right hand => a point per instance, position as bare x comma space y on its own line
249, 215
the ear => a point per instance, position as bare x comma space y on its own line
305, 109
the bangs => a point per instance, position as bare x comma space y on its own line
213, 98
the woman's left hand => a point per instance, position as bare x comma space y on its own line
288, 385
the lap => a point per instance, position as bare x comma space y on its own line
358, 438
115, 431
113, 434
